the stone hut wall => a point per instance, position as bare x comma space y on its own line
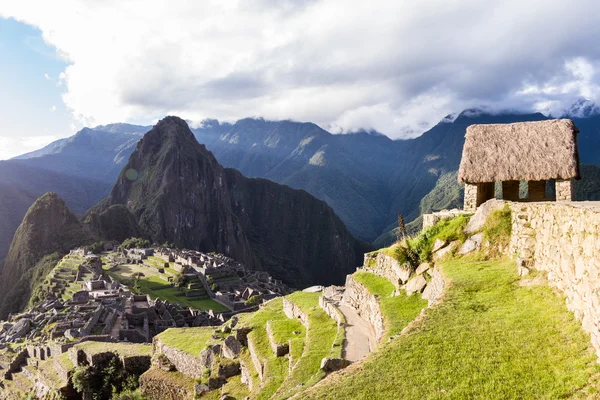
563, 240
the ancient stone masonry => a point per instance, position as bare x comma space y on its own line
359, 297
564, 241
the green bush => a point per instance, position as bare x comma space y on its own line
253, 300
178, 279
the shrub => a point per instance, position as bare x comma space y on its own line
178, 279
253, 300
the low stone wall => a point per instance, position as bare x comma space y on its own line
258, 364
185, 363
366, 304
279, 349
564, 240
292, 311
387, 267
331, 310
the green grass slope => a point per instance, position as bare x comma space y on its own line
490, 338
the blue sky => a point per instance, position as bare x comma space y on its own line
397, 67
31, 109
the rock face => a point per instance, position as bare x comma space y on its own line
179, 193
231, 347
116, 223
415, 285
48, 227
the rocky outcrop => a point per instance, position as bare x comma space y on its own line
366, 304
564, 241
231, 347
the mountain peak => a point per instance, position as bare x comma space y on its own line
582, 108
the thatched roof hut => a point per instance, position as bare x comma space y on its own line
532, 151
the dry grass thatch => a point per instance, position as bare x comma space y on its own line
530, 151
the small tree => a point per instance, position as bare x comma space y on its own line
178, 279
253, 300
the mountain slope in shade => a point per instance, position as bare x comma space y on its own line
22, 184
178, 192
48, 227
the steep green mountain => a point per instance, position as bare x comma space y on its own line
22, 184
179, 193
48, 227
115, 222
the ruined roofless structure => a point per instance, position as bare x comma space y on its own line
508, 153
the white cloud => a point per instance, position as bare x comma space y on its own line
395, 66
47, 77
13, 146
53, 108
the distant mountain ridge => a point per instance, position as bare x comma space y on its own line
366, 178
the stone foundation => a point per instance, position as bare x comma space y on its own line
565, 190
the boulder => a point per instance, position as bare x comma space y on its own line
415, 285
20, 329
333, 364
207, 357
471, 244
478, 219
200, 389
231, 347
445, 251
422, 268
438, 244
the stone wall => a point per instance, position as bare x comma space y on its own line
563, 239
565, 190
387, 267
292, 311
366, 304
331, 310
189, 365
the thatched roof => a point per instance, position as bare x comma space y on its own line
532, 151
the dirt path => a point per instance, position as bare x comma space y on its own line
360, 336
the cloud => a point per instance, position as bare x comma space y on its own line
47, 77
394, 66
53, 108
13, 146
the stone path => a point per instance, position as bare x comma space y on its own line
360, 336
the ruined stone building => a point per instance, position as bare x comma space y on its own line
526, 151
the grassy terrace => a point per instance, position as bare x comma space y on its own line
152, 280
323, 340
190, 340
397, 311
490, 338
276, 368
123, 349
